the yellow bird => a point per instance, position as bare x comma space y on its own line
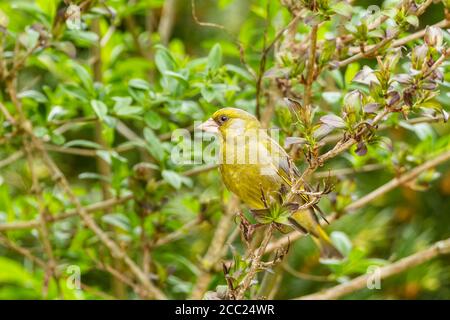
260, 172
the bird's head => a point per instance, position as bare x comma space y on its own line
230, 121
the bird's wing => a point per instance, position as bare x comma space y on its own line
288, 172
280, 162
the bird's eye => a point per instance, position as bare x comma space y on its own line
223, 118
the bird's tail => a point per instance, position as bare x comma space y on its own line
305, 221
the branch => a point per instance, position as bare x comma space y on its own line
438, 249
214, 252
102, 205
338, 136
167, 21
372, 50
394, 183
255, 259
11, 159
347, 171
265, 52
311, 67
411, 37
285, 240
115, 250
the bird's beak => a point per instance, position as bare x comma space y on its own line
209, 126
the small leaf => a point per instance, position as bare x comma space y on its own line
371, 107
139, 84
58, 139
342, 8
92, 175
322, 131
100, 109
105, 155
34, 95
208, 93
40, 131
413, 20
153, 120
333, 121
342, 242
128, 111
164, 60
293, 140
153, 144
56, 112
83, 75
445, 115
82, 143
350, 72
177, 76
82, 38
361, 148
332, 97
122, 102
215, 57
365, 76
173, 178
122, 106
118, 220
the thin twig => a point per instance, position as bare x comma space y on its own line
311, 67
255, 259
214, 252
438, 249
99, 206
12, 158
285, 240
394, 183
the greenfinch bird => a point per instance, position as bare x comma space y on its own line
260, 172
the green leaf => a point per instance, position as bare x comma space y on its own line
82, 38
177, 76
84, 76
34, 95
40, 131
105, 155
173, 178
153, 120
56, 112
153, 144
332, 97
342, 8
30, 38
93, 176
164, 61
100, 109
48, 7
215, 57
240, 71
14, 273
128, 111
110, 121
342, 242
139, 84
82, 143
122, 102
208, 93
350, 72
122, 107
413, 20
58, 139
118, 220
